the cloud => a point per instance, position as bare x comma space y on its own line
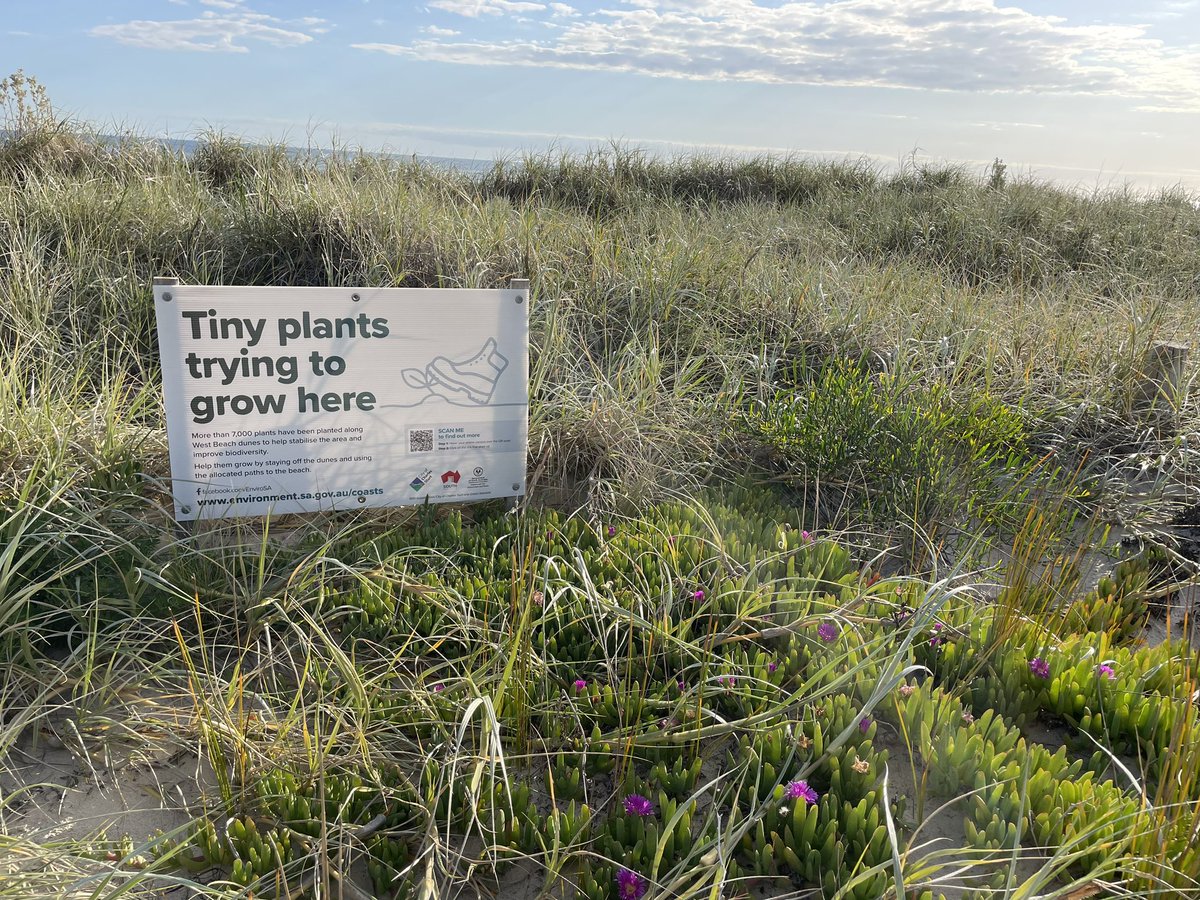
1172, 9
222, 4
1171, 110
226, 32
1005, 126
955, 45
314, 24
440, 32
473, 9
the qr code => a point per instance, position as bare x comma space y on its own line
420, 440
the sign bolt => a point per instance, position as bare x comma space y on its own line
167, 296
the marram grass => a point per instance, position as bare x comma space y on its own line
653, 682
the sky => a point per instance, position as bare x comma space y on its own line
1094, 94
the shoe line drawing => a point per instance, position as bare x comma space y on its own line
473, 378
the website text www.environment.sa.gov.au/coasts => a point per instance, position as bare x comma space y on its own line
304, 495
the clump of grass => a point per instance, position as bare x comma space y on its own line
893, 448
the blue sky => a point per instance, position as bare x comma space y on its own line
1097, 93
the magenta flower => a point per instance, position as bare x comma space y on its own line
806, 537
637, 805
698, 594
865, 724
580, 684
1106, 671
937, 635
799, 790
727, 680
438, 688
630, 885
772, 666
612, 530
827, 631
1039, 667
681, 685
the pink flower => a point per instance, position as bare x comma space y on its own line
772, 666
438, 688
1039, 667
630, 885
865, 724
827, 631
806, 537
1106, 671
637, 805
612, 530
681, 685
727, 680
906, 690
799, 790
698, 594
580, 684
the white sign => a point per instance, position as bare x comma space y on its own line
285, 400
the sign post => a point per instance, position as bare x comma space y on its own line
292, 400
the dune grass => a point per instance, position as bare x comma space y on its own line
918, 370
